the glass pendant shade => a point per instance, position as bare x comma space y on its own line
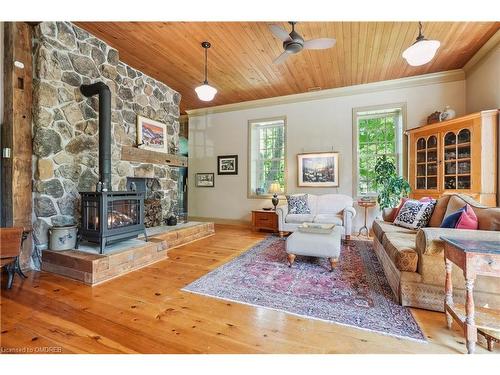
205, 92
421, 52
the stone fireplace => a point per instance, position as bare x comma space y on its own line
65, 125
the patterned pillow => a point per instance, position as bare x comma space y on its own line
297, 204
415, 214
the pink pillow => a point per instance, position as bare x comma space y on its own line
468, 219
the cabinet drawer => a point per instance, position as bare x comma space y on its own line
265, 220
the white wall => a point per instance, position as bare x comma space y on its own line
483, 83
483, 89
317, 125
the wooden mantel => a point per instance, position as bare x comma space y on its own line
139, 155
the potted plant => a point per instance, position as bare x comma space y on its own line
390, 186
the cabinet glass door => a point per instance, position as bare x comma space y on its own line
457, 160
427, 163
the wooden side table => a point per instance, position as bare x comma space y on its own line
265, 220
474, 258
366, 205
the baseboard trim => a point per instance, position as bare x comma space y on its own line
222, 221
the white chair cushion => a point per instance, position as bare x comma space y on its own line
328, 219
299, 218
332, 203
312, 203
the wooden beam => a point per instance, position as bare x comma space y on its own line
140, 155
16, 130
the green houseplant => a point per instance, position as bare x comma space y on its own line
390, 186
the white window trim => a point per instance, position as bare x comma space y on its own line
403, 167
250, 193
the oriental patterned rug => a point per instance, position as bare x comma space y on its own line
355, 294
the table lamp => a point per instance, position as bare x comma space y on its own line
275, 189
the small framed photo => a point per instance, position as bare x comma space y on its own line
227, 164
205, 180
318, 169
151, 135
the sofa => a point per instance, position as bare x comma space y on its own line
413, 261
325, 209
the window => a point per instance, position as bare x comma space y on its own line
266, 156
377, 131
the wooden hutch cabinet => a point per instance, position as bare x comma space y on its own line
455, 156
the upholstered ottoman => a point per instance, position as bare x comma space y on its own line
315, 245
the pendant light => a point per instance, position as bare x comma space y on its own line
422, 51
205, 92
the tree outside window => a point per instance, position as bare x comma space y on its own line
378, 133
267, 155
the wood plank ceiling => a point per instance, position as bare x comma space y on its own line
240, 60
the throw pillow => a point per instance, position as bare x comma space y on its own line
468, 219
297, 204
398, 208
401, 204
463, 218
415, 214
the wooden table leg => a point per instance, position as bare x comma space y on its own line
470, 329
448, 287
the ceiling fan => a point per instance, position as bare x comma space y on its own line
294, 43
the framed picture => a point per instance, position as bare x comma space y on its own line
151, 135
227, 164
205, 180
318, 170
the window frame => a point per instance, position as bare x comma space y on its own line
250, 193
360, 112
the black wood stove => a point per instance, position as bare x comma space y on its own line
109, 216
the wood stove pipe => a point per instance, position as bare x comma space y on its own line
104, 93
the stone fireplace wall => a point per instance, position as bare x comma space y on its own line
65, 142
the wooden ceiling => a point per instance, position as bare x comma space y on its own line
240, 60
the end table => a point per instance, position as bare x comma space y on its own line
474, 258
366, 205
265, 220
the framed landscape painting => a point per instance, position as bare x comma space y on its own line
227, 164
318, 169
205, 180
151, 135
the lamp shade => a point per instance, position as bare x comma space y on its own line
421, 52
206, 92
274, 188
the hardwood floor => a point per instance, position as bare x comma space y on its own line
145, 312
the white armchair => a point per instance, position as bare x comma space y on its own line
325, 209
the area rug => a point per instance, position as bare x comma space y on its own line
355, 294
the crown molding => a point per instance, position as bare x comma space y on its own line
492, 44
420, 80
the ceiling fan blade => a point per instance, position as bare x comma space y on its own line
279, 33
281, 58
320, 43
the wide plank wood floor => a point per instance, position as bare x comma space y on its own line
146, 312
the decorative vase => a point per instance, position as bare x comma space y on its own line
447, 114
62, 238
275, 200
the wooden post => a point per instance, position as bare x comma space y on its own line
448, 287
16, 131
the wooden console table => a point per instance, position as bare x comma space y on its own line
475, 258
